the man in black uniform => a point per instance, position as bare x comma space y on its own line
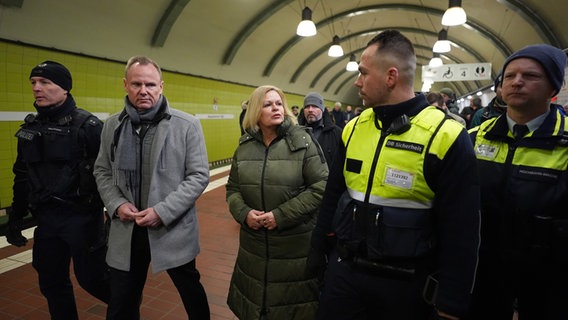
390, 202
522, 156
53, 179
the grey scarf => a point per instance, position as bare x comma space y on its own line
128, 146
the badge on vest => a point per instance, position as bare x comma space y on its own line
399, 178
409, 146
486, 151
26, 134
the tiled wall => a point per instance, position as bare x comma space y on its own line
97, 87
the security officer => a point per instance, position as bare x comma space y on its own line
57, 148
391, 201
522, 159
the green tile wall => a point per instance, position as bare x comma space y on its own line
97, 87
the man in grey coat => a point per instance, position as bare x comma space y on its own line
151, 169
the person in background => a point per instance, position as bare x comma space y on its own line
358, 111
242, 115
390, 202
449, 100
275, 186
349, 114
53, 179
468, 112
436, 99
495, 108
338, 115
522, 156
324, 130
151, 169
295, 111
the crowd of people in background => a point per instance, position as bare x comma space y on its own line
405, 208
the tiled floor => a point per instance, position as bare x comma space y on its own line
20, 297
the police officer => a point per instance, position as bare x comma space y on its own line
57, 148
391, 201
522, 159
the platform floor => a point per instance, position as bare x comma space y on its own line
21, 299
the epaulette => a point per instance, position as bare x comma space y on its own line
65, 120
30, 118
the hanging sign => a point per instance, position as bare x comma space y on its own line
457, 72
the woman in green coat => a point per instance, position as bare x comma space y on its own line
275, 186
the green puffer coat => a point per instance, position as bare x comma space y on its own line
287, 178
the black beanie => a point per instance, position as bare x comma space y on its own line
552, 59
55, 72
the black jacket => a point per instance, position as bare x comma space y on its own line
456, 206
524, 187
55, 158
330, 137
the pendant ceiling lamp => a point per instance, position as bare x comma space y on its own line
352, 65
443, 44
306, 27
335, 50
455, 15
436, 61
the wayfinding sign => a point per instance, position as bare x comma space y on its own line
457, 72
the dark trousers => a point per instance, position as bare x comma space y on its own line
62, 235
127, 286
355, 294
538, 291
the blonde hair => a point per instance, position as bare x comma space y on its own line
256, 103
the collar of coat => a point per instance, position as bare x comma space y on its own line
296, 137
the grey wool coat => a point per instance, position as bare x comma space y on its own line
287, 178
179, 174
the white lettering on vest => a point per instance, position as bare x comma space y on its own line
399, 178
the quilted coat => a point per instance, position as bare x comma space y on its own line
288, 178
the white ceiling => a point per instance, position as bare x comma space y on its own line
253, 42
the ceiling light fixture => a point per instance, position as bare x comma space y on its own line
455, 15
436, 61
306, 27
352, 65
443, 44
335, 50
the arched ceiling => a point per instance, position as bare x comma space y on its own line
253, 42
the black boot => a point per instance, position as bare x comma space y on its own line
14, 234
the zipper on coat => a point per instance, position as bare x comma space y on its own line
374, 165
263, 308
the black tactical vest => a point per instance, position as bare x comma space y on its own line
58, 170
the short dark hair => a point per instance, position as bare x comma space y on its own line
393, 43
434, 97
476, 101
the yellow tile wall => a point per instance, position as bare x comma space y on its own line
97, 87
